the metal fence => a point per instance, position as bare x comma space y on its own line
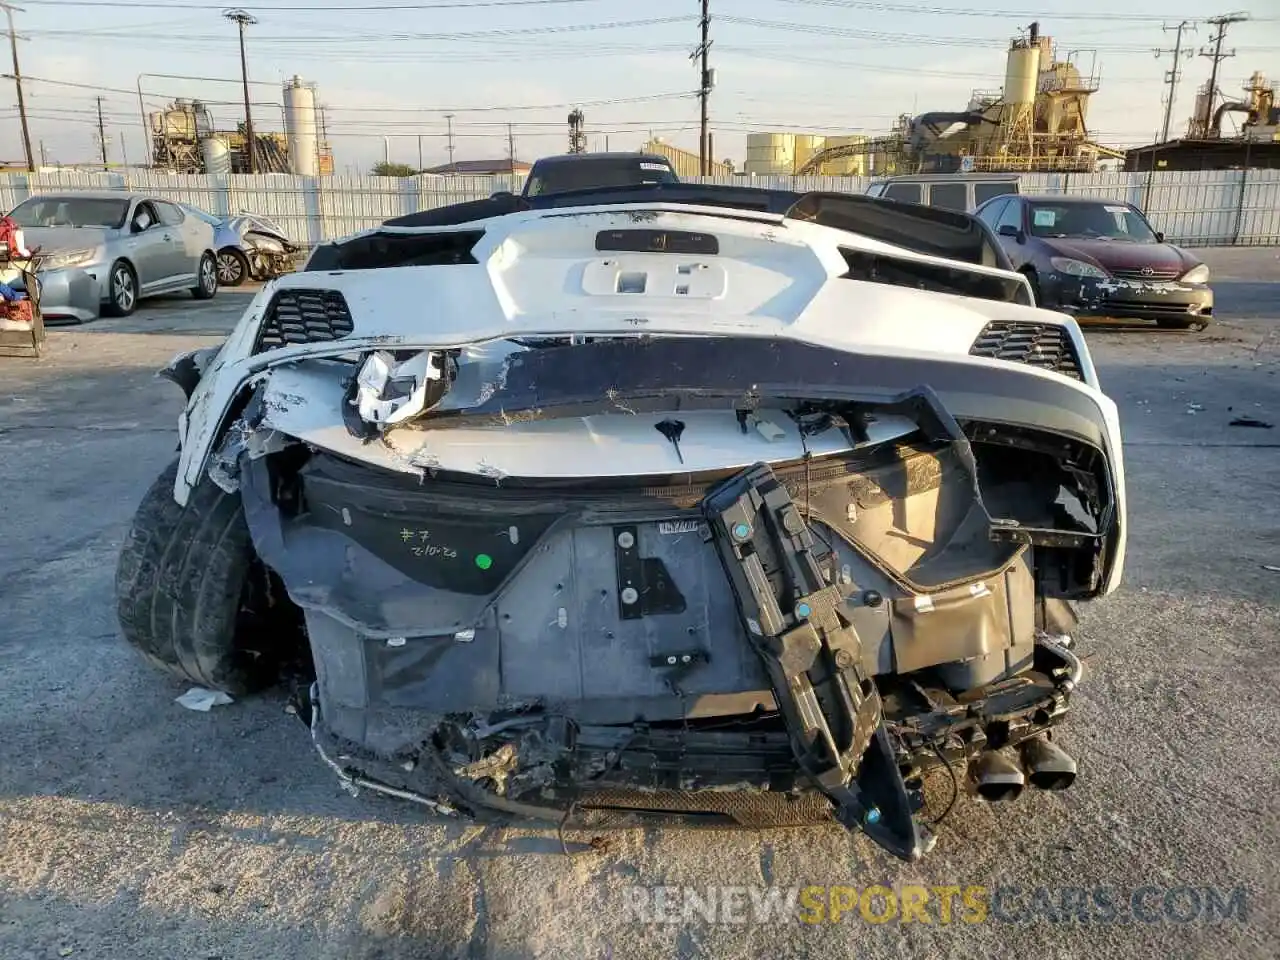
1196, 208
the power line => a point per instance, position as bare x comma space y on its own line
17, 81
1172, 76
1021, 15
704, 86
102, 136
1217, 56
310, 7
243, 19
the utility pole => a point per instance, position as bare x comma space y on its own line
242, 19
17, 81
511, 151
419, 153
1171, 77
1217, 56
102, 136
449, 119
704, 86
43, 162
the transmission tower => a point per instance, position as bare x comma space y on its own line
1217, 56
1171, 77
577, 133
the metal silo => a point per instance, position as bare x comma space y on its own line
806, 145
300, 126
770, 154
1022, 73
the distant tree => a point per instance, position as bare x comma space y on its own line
384, 169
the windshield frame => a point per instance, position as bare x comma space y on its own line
1131, 214
125, 206
201, 214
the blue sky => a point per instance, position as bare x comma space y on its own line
394, 69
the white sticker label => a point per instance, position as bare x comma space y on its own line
924, 604
677, 526
1045, 218
1110, 209
653, 166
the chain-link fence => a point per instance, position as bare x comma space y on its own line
1199, 208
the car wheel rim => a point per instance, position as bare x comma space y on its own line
229, 268
208, 275
122, 289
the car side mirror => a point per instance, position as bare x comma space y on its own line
1159, 236
1009, 230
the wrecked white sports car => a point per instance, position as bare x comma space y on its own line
723, 505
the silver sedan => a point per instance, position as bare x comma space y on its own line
104, 251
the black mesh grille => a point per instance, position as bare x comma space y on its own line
1039, 344
304, 316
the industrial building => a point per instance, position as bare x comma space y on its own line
1036, 122
1256, 144
183, 139
685, 163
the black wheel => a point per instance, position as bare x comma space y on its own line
122, 290
233, 268
192, 596
206, 278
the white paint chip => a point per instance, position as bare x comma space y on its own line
513, 534
346, 516
562, 618
924, 604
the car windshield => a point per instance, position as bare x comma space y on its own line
566, 175
1090, 221
70, 212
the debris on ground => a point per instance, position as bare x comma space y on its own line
1246, 421
198, 698
1193, 408
1271, 567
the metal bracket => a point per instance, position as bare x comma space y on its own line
813, 656
645, 586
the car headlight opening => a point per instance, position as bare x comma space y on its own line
68, 258
1197, 274
1077, 268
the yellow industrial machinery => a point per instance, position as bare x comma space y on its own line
1037, 123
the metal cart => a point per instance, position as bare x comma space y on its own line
21, 324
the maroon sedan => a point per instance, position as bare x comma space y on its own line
1100, 258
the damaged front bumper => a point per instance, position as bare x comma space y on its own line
758, 649
1126, 299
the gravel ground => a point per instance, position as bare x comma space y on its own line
130, 827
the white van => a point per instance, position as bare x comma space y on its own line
952, 191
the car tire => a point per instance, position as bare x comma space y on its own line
1183, 323
233, 268
122, 290
206, 287
192, 596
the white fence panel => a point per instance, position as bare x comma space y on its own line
1194, 208
1259, 222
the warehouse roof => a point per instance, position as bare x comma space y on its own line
481, 167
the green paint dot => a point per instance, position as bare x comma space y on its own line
484, 561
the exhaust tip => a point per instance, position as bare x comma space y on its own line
1049, 767
996, 778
